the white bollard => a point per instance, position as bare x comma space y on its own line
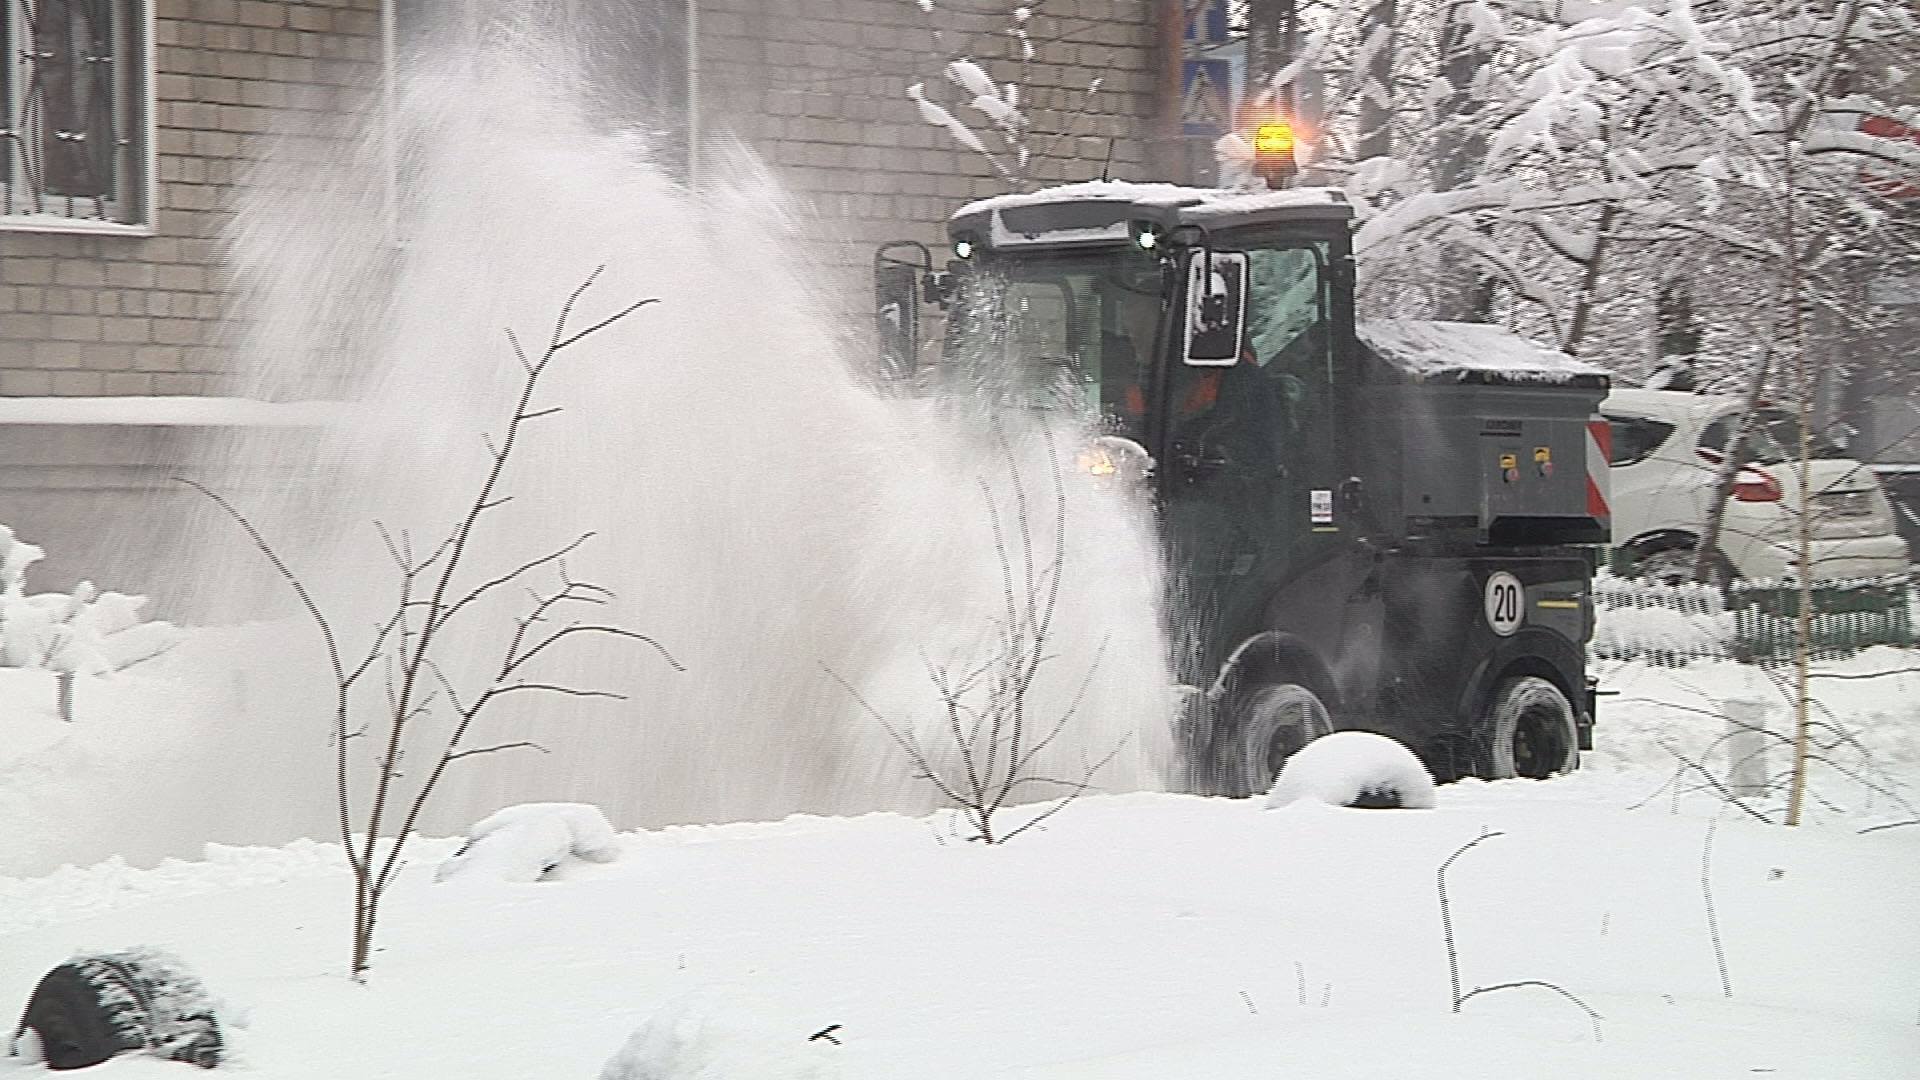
1746, 747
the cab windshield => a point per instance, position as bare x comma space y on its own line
1073, 331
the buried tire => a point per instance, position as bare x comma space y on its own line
1359, 769
75, 1026
1275, 722
1530, 731
100, 1005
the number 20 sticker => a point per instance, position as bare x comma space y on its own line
1503, 602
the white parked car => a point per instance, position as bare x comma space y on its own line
1667, 448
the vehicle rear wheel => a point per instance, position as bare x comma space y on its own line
1530, 731
1671, 563
1275, 722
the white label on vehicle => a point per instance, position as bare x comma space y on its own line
1320, 505
1503, 603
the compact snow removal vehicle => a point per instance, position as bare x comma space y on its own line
1388, 526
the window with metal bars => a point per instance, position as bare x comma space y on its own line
74, 128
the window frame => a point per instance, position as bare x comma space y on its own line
1623, 441
139, 115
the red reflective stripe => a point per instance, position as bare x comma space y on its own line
1599, 455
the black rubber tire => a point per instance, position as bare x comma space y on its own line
1670, 562
1530, 731
1273, 722
74, 1026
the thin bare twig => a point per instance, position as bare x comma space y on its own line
1714, 782
1888, 825
1446, 913
1713, 919
1592, 1017
478, 750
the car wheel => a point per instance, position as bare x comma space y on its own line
1672, 564
1529, 731
1275, 722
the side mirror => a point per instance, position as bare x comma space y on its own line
1216, 307
897, 311
897, 269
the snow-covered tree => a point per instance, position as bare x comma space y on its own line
1586, 158
999, 86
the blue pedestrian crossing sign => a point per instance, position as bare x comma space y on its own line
1207, 21
1206, 98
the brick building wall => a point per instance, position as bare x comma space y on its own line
84, 314
818, 88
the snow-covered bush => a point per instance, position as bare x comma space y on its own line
710, 1035
87, 632
1354, 768
525, 842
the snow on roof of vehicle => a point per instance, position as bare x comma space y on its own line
1099, 210
1460, 352
1159, 195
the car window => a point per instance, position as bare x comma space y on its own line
1785, 427
1635, 437
1762, 446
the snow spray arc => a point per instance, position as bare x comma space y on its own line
758, 509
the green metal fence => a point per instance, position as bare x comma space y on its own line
1847, 616
1753, 621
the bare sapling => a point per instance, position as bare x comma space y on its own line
986, 754
404, 680
1453, 951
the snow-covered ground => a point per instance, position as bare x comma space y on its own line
1130, 936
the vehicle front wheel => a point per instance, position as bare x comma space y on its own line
1275, 722
1530, 731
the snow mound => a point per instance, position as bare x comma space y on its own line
72, 892
712, 1035
1354, 768
87, 633
525, 842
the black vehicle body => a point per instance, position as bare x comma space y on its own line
1344, 507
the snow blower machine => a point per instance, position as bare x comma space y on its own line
1391, 526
